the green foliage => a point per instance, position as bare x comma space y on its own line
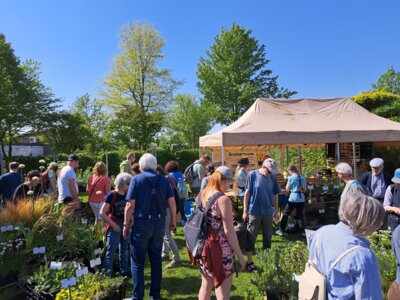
391, 156
49, 280
382, 103
388, 82
31, 162
114, 160
233, 74
189, 120
313, 159
186, 157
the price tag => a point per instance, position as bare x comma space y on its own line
6, 228
310, 187
39, 250
336, 187
68, 282
325, 188
97, 251
321, 210
55, 265
95, 262
81, 272
290, 226
60, 237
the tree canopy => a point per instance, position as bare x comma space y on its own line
388, 82
234, 73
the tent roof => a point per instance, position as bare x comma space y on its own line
304, 121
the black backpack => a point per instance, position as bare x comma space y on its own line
195, 230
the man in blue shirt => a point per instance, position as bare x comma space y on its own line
145, 213
260, 206
10, 181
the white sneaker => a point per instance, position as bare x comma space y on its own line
279, 232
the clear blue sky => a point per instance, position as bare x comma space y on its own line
318, 48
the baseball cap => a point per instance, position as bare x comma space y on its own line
270, 164
225, 171
376, 162
73, 157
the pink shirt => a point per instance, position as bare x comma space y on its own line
98, 187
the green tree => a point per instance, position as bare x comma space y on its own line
381, 103
189, 119
388, 82
136, 78
134, 128
234, 73
25, 103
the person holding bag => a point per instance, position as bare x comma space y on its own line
296, 186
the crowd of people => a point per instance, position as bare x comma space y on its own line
140, 214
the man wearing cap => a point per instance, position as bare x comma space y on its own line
260, 206
67, 183
199, 172
391, 202
377, 180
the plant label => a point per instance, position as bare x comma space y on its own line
81, 272
68, 282
97, 251
325, 188
290, 226
60, 237
336, 187
95, 262
310, 187
39, 250
321, 210
55, 265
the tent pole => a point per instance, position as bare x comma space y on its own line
282, 158
337, 152
299, 159
287, 156
222, 151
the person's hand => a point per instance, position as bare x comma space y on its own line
245, 216
172, 226
242, 262
116, 228
276, 217
126, 232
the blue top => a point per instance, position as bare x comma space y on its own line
8, 184
293, 185
177, 175
262, 189
119, 205
146, 203
356, 275
241, 182
396, 250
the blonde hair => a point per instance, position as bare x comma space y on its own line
100, 169
363, 214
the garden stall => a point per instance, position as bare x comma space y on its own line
282, 123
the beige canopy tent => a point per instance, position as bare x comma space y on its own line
302, 121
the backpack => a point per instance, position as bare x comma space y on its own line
188, 175
44, 180
312, 284
195, 230
182, 189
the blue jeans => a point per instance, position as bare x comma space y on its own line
115, 239
147, 237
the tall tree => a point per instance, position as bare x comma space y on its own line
189, 119
136, 78
234, 73
388, 82
384, 104
25, 103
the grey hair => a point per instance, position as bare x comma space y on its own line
344, 168
148, 162
363, 214
121, 180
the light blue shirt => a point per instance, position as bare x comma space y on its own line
241, 182
378, 185
293, 185
356, 275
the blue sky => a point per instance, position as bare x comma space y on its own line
318, 48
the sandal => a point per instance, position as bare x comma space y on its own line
251, 267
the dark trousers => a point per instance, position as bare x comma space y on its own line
290, 206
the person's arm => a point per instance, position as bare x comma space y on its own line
128, 217
103, 214
246, 200
225, 208
172, 207
89, 186
276, 201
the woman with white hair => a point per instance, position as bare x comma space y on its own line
112, 212
356, 275
345, 173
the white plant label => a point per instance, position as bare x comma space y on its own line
336, 187
95, 262
290, 226
81, 272
55, 265
68, 282
325, 188
321, 210
97, 251
60, 237
310, 187
39, 250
